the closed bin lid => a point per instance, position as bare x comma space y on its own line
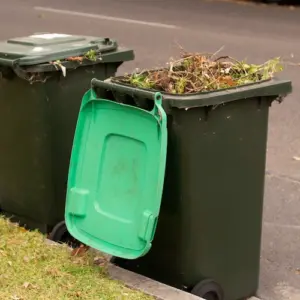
45, 47
116, 176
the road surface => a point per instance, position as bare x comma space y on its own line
153, 29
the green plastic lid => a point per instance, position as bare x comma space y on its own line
45, 47
116, 176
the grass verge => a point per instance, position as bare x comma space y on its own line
30, 269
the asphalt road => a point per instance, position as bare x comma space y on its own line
152, 29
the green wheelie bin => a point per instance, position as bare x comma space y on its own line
208, 235
43, 79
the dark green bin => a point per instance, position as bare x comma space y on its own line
38, 115
209, 230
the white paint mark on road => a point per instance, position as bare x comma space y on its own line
103, 17
286, 226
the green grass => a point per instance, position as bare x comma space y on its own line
30, 269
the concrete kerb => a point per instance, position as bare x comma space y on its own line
146, 285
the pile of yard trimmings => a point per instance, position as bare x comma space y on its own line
196, 72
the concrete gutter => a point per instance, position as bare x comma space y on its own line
151, 287
148, 286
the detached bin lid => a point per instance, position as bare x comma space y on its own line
45, 47
116, 176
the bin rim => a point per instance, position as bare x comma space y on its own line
118, 56
274, 88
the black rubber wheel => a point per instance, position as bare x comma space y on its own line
208, 289
60, 234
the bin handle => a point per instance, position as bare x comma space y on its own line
7, 62
14, 64
110, 86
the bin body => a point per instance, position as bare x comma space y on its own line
37, 124
210, 220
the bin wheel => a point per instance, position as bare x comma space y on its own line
60, 234
208, 289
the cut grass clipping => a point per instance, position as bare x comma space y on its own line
196, 72
30, 269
